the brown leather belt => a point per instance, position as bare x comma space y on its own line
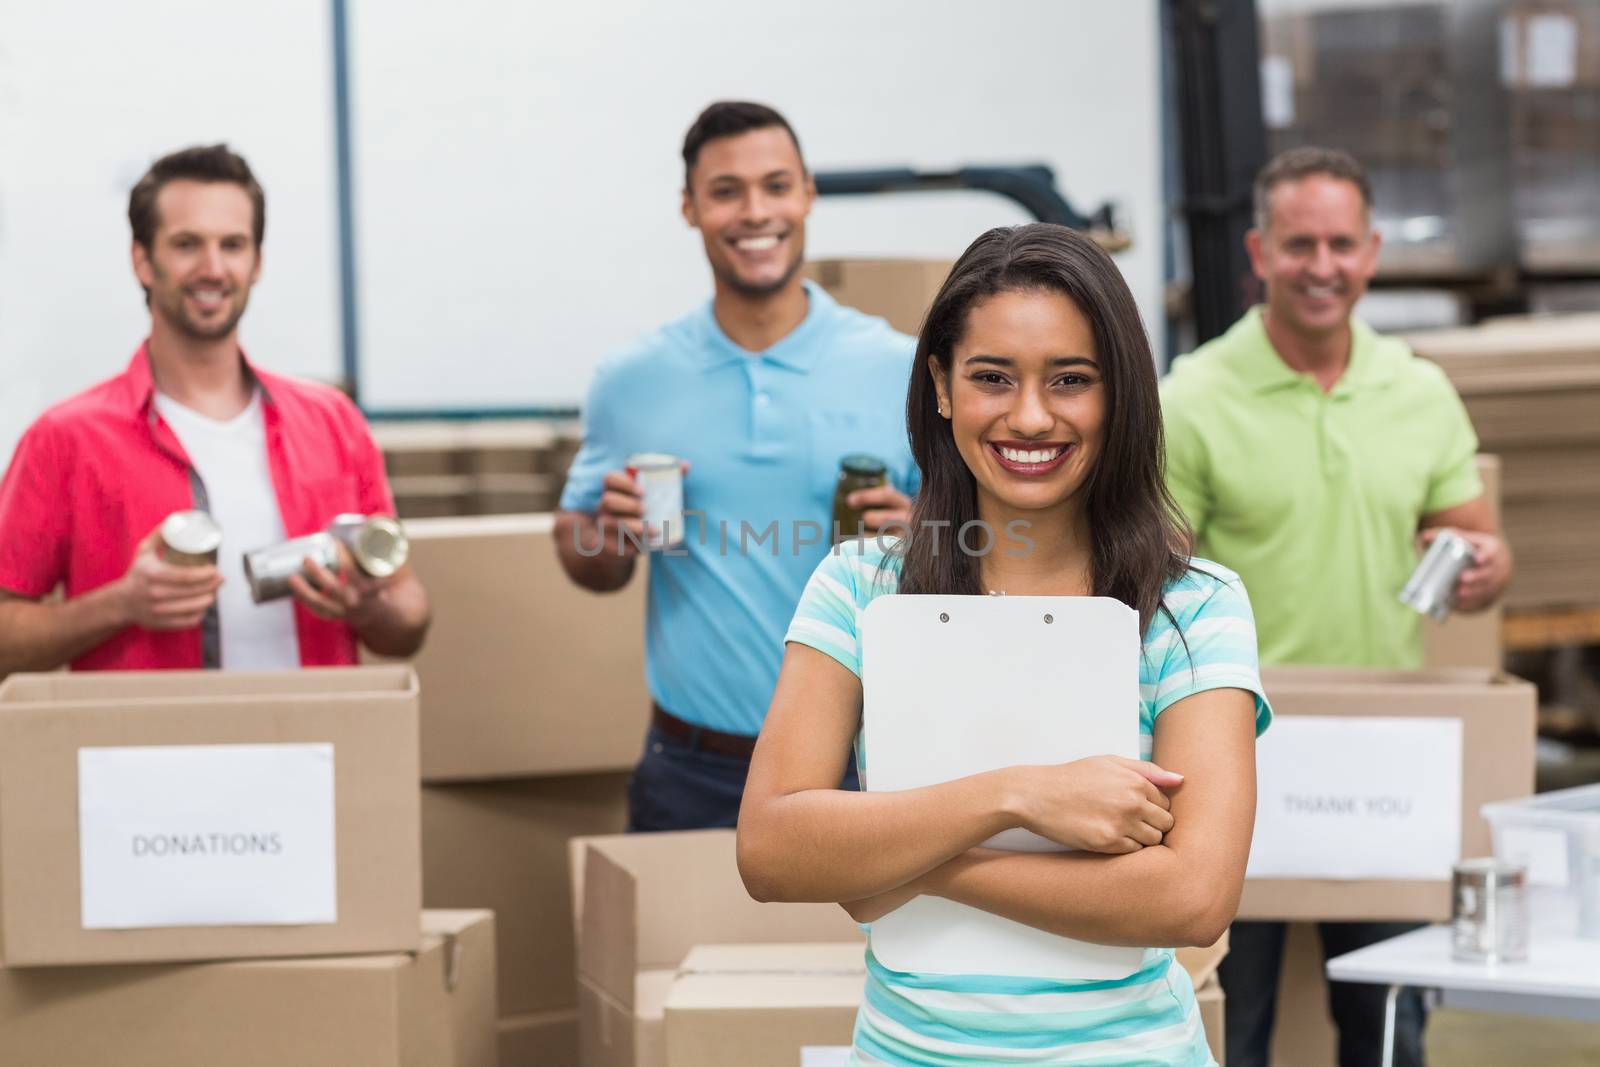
739, 746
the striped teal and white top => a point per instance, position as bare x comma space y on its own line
1148, 1018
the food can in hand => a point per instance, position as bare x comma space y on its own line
377, 543
1431, 588
660, 478
190, 539
268, 570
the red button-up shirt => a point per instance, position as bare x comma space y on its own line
96, 473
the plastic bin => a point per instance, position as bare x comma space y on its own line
1557, 837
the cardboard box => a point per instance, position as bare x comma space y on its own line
503, 845
647, 900
1213, 1009
547, 1039
614, 1034
369, 715
1497, 713
1303, 1032
650, 898
758, 1005
898, 290
523, 673
1202, 964
434, 1008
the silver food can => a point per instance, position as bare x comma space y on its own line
268, 570
1431, 588
1489, 911
190, 539
377, 543
660, 479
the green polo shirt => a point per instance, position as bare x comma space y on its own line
1315, 498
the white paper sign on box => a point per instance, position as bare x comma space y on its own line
206, 835
1357, 797
959, 685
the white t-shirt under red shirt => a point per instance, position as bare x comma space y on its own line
231, 459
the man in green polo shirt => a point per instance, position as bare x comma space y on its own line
1312, 456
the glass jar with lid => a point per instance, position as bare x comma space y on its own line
856, 471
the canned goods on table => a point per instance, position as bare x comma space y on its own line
1489, 906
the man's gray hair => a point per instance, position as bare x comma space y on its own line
1303, 162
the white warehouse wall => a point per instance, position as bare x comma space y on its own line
517, 169
90, 94
518, 184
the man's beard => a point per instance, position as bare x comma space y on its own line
179, 317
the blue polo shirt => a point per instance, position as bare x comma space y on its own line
763, 433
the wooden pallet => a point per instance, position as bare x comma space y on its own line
1550, 628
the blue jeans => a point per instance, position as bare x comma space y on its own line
678, 787
1249, 977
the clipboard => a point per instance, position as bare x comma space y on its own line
957, 685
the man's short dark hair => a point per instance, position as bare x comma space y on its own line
1303, 162
729, 118
209, 163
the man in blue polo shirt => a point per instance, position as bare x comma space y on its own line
761, 392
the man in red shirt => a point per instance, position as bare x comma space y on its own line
192, 424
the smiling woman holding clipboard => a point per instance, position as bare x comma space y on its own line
1032, 410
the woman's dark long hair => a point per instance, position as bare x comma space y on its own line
1139, 539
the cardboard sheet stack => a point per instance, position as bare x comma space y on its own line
151, 821
1532, 387
533, 707
476, 467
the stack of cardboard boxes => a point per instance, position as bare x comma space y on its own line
647, 901
533, 706
759, 1005
678, 967
476, 467
270, 821
897, 290
1532, 387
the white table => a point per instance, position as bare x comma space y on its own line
1561, 976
